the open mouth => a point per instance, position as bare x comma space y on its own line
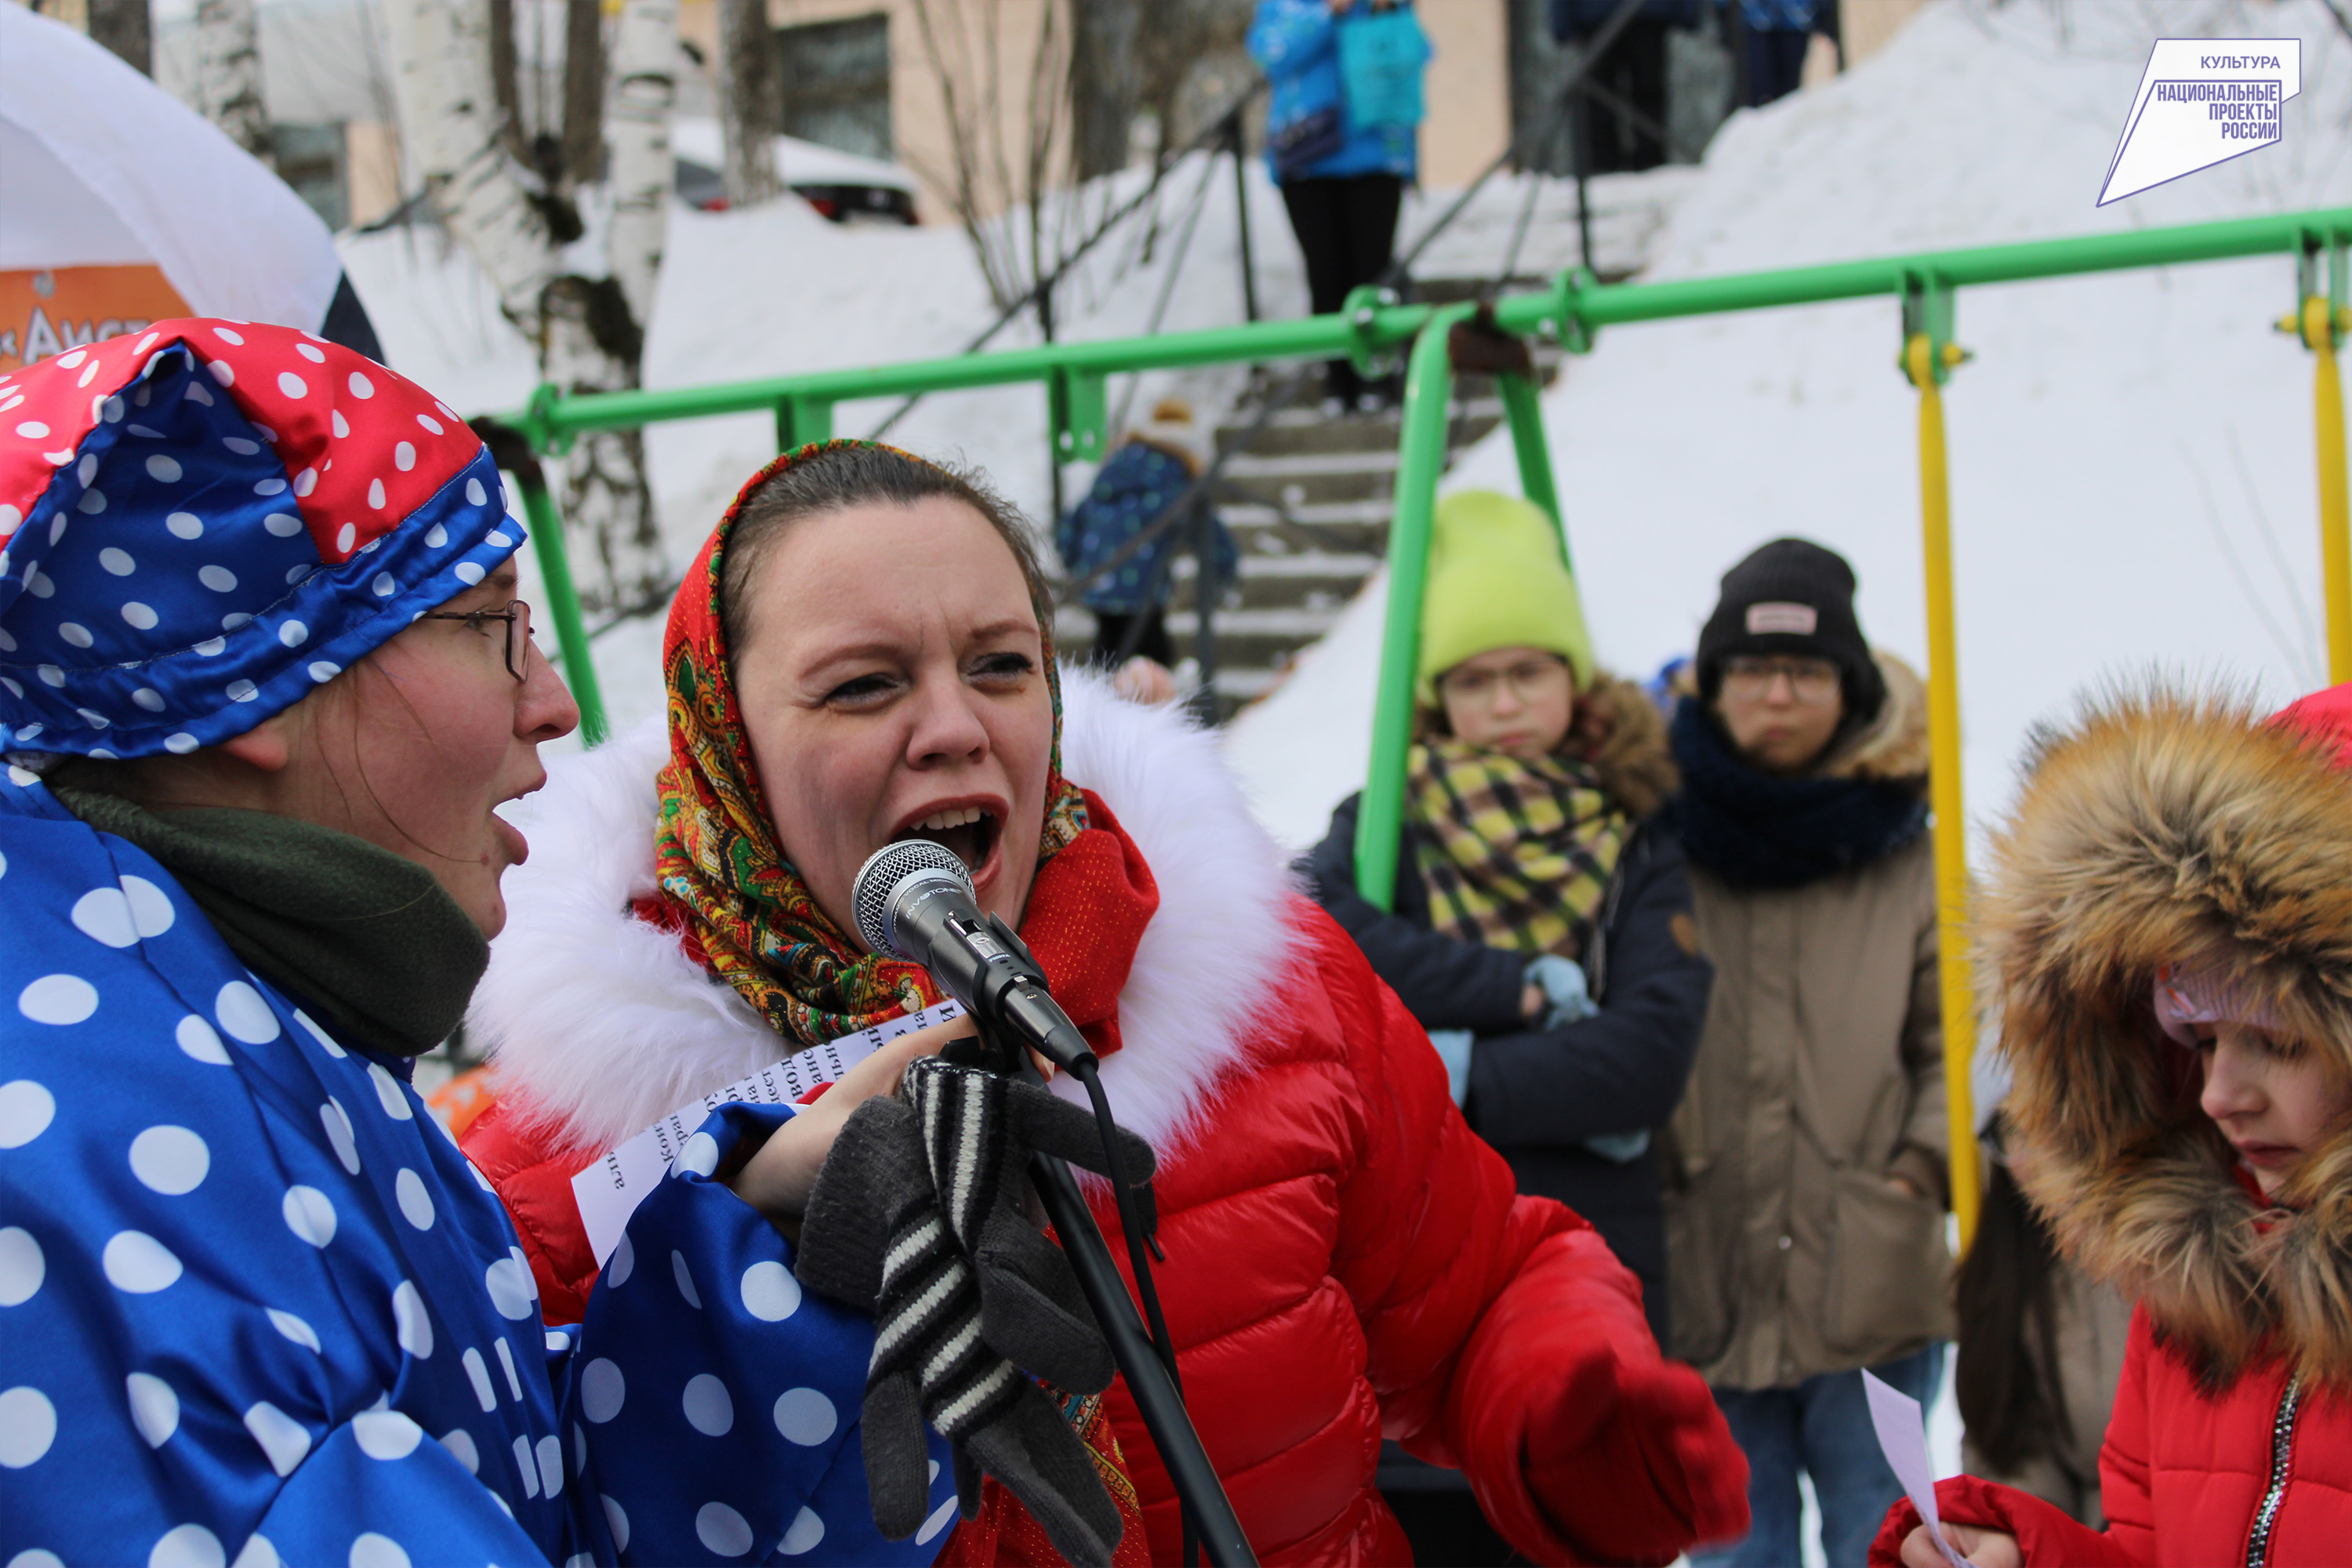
969, 832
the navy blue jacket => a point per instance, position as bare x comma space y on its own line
1535, 1094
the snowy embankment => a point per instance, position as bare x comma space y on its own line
2132, 468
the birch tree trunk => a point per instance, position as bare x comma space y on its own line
228, 74
644, 88
124, 27
506, 73
1103, 82
750, 115
587, 337
605, 474
583, 91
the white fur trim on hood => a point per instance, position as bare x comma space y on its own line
597, 1024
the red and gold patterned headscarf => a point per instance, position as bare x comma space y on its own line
725, 882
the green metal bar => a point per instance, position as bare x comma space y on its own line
1611, 303
571, 635
1555, 311
1312, 337
1572, 310
1523, 410
1421, 457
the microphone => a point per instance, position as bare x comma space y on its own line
914, 898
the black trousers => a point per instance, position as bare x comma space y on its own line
1154, 643
1634, 69
1347, 231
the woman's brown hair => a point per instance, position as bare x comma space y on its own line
852, 474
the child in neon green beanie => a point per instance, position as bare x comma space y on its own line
1496, 580
1541, 929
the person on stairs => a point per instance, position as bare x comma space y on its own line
1343, 141
1124, 538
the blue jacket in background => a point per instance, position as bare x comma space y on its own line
1141, 481
256, 1306
1297, 44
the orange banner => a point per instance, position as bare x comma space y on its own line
48, 313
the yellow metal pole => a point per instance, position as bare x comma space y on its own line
1944, 791
2335, 537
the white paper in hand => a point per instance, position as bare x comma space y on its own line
1902, 1438
609, 1191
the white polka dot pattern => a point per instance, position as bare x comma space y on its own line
28, 1425
700, 1413
233, 447
708, 1408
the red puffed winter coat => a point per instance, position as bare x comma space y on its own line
1345, 1260
2165, 830
2186, 1479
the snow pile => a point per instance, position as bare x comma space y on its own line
2132, 467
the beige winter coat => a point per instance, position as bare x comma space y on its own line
1819, 1077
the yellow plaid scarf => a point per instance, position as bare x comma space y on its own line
1514, 855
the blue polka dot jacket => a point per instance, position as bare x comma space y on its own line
256, 1306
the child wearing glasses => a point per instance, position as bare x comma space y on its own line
1541, 929
1805, 1172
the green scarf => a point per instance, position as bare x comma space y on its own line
370, 942
1514, 855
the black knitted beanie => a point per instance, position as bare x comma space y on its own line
1792, 597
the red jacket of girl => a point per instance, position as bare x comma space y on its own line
1345, 1260
2166, 829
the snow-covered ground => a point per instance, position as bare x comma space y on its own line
2132, 466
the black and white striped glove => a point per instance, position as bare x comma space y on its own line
919, 1216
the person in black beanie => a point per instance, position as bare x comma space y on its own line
1805, 1174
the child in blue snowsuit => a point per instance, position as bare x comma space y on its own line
1151, 471
255, 1305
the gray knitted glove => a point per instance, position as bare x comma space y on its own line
919, 1216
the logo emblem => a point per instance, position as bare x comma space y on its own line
2202, 102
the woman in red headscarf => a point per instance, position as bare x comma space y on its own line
862, 653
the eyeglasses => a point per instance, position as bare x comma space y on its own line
517, 616
1527, 680
1811, 682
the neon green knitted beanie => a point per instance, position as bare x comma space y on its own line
1496, 579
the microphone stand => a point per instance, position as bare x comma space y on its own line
1198, 1492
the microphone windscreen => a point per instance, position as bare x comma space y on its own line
879, 878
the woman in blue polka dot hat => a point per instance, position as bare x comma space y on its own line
264, 682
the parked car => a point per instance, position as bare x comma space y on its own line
844, 187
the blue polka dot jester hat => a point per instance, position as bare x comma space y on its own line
202, 525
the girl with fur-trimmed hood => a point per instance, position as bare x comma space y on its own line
2167, 934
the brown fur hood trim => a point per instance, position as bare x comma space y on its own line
1893, 748
2170, 828
1634, 764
